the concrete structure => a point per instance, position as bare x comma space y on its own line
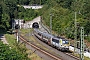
3, 39
20, 22
32, 7
29, 24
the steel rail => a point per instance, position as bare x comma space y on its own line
40, 49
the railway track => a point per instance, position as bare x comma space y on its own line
40, 49
55, 57
69, 54
62, 53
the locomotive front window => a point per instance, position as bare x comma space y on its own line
54, 40
65, 42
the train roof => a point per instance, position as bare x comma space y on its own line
65, 40
37, 30
56, 38
47, 34
44, 33
60, 38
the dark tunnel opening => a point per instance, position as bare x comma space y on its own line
35, 25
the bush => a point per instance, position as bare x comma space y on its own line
7, 53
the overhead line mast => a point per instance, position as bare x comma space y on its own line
75, 44
82, 44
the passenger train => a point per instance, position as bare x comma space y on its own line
59, 43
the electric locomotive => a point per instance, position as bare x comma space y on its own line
61, 44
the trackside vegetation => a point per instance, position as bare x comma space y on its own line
9, 53
63, 21
20, 48
63, 12
63, 17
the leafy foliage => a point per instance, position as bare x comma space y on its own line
63, 11
10, 10
64, 16
87, 29
7, 53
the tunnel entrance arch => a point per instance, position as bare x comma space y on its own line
35, 25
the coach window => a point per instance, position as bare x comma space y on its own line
53, 40
57, 41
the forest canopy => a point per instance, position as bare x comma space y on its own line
63, 11
63, 19
12, 9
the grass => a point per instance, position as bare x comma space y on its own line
25, 31
85, 58
32, 39
10, 39
32, 55
21, 48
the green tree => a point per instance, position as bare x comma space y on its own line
7, 53
65, 3
0, 13
86, 9
86, 27
4, 17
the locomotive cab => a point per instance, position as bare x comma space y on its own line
64, 44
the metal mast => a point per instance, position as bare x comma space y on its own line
82, 44
18, 32
51, 23
29, 29
75, 37
40, 2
